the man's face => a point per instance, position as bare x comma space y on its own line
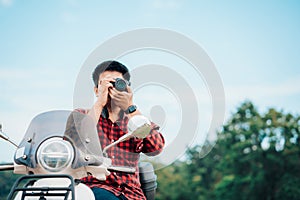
108, 75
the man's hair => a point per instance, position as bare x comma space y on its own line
110, 65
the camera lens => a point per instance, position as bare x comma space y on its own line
120, 84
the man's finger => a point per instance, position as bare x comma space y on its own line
129, 89
114, 93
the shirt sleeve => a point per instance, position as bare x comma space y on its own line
153, 144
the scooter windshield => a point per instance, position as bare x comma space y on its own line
75, 127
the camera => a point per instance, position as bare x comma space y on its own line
120, 84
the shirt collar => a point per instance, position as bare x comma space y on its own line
105, 113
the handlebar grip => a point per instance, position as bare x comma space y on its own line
6, 167
122, 169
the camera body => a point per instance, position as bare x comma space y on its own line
120, 84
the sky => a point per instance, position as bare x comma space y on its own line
254, 46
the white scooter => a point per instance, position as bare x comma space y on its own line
61, 147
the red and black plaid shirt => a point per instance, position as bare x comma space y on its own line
126, 153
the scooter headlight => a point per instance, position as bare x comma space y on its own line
55, 154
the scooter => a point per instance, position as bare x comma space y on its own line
61, 147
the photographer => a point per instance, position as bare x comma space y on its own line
111, 112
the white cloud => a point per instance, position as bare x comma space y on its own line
6, 3
34, 90
287, 88
26, 92
281, 95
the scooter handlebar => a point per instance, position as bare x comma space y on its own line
6, 167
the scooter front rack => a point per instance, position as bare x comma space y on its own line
24, 184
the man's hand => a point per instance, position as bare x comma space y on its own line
103, 90
121, 99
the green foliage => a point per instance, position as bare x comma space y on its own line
7, 179
173, 185
256, 157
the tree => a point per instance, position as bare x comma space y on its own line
7, 179
257, 156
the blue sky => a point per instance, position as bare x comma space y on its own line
255, 46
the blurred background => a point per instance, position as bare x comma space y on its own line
255, 47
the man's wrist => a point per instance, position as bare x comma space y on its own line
99, 105
131, 109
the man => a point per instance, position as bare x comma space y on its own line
112, 111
